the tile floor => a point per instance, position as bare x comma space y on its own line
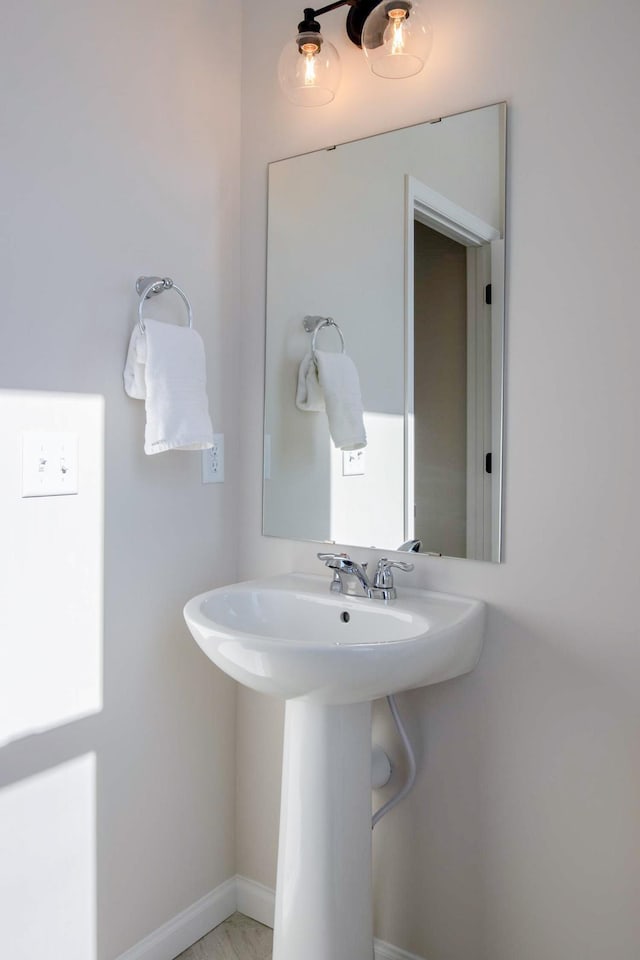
238, 938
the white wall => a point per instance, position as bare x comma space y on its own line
120, 151
521, 838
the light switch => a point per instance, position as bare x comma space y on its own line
353, 463
49, 464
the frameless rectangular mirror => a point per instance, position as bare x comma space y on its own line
399, 238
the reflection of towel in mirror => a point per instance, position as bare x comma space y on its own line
332, 384
309, 393
166, 368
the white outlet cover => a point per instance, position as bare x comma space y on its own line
213, 461
267, 456
49, 464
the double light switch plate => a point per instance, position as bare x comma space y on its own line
49, 464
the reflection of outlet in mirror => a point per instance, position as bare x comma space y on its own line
353, 463
49, 464
267, 456
213, 461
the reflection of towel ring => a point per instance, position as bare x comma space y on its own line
314, 324
150, 286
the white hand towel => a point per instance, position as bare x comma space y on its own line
166, 368
309, 393
340, 385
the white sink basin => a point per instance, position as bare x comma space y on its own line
288, 636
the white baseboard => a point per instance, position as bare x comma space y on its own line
385, 951
239, 893
256, 901
177, 934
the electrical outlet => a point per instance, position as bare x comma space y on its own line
213, 461
267, 456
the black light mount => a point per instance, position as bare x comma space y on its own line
309, 36
359, 10
309, 24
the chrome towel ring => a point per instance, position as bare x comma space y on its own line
314, 324
151, 287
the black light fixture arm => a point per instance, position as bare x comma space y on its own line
309, 24
360, 10
331, 6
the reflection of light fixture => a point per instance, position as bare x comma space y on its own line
394, 37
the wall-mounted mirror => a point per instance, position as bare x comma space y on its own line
399, 238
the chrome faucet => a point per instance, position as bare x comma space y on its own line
344, 567
349, 575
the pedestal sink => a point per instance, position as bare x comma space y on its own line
329, 656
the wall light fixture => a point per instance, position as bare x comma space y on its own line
394, 35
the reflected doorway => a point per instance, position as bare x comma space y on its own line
440, 391
453, 403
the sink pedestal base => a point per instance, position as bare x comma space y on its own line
323, 893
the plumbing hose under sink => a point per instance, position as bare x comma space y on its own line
411, 763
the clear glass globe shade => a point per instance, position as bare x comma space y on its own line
396, 39
309, 78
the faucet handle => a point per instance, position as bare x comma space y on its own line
384, 576
327, 558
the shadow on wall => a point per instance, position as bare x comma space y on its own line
51, 622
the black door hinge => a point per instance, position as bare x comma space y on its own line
487, 463
487, 294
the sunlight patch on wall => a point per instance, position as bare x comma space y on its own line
368, 509
51, 570
48, 864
